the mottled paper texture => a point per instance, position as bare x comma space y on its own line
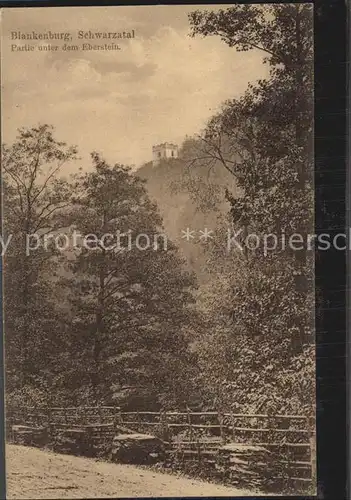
157, 245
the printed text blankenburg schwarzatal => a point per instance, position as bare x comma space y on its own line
80, 35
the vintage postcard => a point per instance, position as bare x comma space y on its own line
158, 251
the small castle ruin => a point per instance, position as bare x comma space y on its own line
164, 151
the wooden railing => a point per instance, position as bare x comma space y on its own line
196, 436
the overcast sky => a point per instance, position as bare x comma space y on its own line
161, 86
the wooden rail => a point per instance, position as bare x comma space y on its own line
194, 435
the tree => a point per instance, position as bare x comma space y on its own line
264, 139
35, 200
130, 299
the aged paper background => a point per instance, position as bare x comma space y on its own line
158, 211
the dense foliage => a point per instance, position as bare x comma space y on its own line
131, 326
264, 139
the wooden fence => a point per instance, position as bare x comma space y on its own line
200, 436
207, 438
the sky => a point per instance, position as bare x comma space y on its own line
161, 86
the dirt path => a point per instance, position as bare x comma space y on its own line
33, 473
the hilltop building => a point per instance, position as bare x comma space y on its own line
164, 151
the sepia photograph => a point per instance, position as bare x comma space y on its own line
158, 251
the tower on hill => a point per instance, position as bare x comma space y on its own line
164, 151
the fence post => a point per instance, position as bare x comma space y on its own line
221, 426
162, 425
85, 420
198, 449
190, 427
312, 453
49, 425
167, 429
116, 418
49, 415
233, 425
